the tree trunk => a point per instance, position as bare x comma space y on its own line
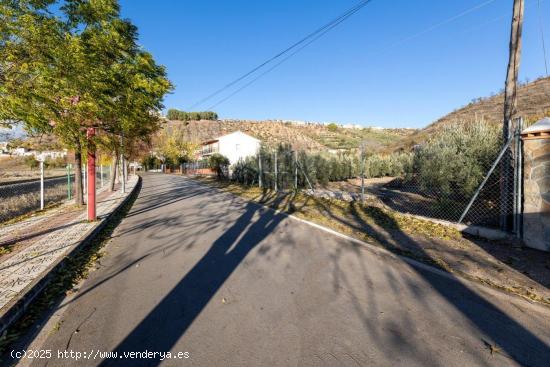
78, 193
114, 165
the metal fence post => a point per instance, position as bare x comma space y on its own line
518, 183
260, 183
296, 170
41, 184
122, 174
69, 189
85, 176
495, 163
362, 173
276, 175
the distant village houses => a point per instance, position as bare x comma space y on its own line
6, 151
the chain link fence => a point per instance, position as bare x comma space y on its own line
22, 197
466, 175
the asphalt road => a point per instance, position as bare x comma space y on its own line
192, 269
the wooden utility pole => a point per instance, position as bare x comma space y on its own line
510, 113
510, 92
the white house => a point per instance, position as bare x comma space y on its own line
234, 146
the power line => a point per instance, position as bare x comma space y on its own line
330, 25
274, 66
429, 29
541, 25
439, 24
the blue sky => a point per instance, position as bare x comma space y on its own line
358, 73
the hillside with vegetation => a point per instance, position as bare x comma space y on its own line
303, 136
533, 103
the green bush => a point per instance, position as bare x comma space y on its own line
218, 163
394, 165
453, 163
456, 160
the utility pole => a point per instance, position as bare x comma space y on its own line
510, 112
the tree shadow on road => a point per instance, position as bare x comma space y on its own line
499, 332
169, 320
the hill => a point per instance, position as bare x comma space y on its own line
533, 103
307, 136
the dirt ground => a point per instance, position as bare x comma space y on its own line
14, 169
372, 185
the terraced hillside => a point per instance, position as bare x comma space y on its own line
308, 136
533, 103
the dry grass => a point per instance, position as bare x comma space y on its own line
14, 206
312, 137
14, 169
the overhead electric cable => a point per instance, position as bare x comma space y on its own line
319, 35
541, 25
330, 25
270, 69
440, 24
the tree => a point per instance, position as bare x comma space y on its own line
177, 115
64, 74
218, 163
172, 144
332, 127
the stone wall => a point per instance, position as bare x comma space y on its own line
536, 207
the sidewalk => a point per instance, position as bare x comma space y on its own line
38, 243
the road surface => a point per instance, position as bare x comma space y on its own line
224, 282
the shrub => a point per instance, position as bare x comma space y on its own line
31, 162
218, 163
457, 158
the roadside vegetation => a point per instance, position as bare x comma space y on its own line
77, 68
452, 162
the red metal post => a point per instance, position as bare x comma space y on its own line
91, 175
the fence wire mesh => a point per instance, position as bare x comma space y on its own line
22, 197
471, 184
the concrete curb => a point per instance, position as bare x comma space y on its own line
20, 303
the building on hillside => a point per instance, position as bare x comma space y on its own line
235, 146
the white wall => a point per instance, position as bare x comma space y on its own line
237, 146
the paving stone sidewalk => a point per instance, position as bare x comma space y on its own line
38, 242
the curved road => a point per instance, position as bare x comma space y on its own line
192, 269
